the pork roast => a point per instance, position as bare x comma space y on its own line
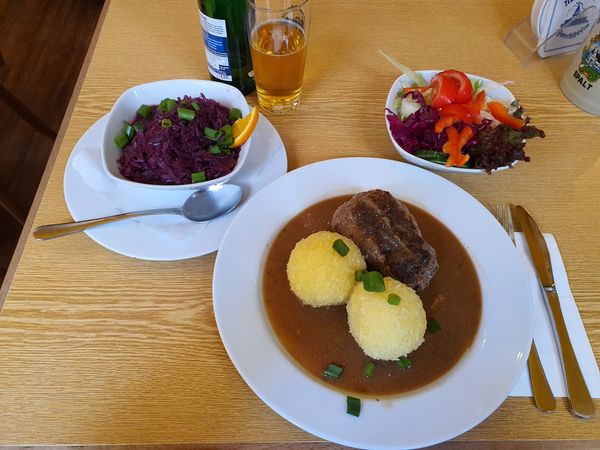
388, 237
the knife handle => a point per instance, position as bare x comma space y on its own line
577, 391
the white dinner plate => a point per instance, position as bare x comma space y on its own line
90, 193
461, 399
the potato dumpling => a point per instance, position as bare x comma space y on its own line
383, 330
318, 274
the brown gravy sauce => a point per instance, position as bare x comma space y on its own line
316, 337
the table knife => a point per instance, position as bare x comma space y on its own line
579, 396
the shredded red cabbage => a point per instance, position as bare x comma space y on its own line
416, 132
159, 155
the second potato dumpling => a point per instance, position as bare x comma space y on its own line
383, 330
318, 274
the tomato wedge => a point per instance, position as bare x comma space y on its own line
445, 90
465, 88
500, 112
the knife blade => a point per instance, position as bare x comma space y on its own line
579, 396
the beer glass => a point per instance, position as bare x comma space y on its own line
278, 35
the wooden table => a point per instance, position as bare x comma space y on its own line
100, 348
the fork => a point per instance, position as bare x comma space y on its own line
542, 394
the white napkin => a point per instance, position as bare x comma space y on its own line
544, 335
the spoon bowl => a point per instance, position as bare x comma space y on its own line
201, 206
211, 203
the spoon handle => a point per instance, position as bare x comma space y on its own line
62, 229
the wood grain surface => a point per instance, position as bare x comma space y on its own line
42, 48
97, 348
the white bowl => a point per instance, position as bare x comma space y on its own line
494, 91
127, 104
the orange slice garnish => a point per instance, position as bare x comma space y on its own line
244, 127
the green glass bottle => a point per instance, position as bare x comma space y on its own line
225, 42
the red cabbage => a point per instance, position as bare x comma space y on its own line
416, 132
158, 155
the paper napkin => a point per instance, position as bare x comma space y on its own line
544, 334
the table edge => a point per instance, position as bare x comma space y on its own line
16, 257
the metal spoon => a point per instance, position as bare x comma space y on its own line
201, 206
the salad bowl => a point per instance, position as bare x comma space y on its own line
494, 91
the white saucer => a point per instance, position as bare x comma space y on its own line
90, 193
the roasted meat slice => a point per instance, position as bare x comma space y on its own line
388, 236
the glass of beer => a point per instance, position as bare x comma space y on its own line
278, 35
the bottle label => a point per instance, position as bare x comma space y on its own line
215, 44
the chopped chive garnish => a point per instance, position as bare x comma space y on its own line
166, 123
128, 130
404, 362
227, 130
139, 126
162, 106
235, 114
226, 142
166, 104
144, 111
394, 299
340, 247
214, 149
198, 177
373, 282
433, 326
353, 406
196, 106
211, 133
332, 371
369, 369
358, 275
121, 140
186, 114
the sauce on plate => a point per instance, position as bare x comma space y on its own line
317, 337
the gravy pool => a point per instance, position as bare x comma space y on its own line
317, 337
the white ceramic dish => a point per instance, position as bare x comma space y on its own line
128, 103
90, 192
461, 399
494, 91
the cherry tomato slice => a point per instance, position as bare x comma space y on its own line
445, 90
465, 88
